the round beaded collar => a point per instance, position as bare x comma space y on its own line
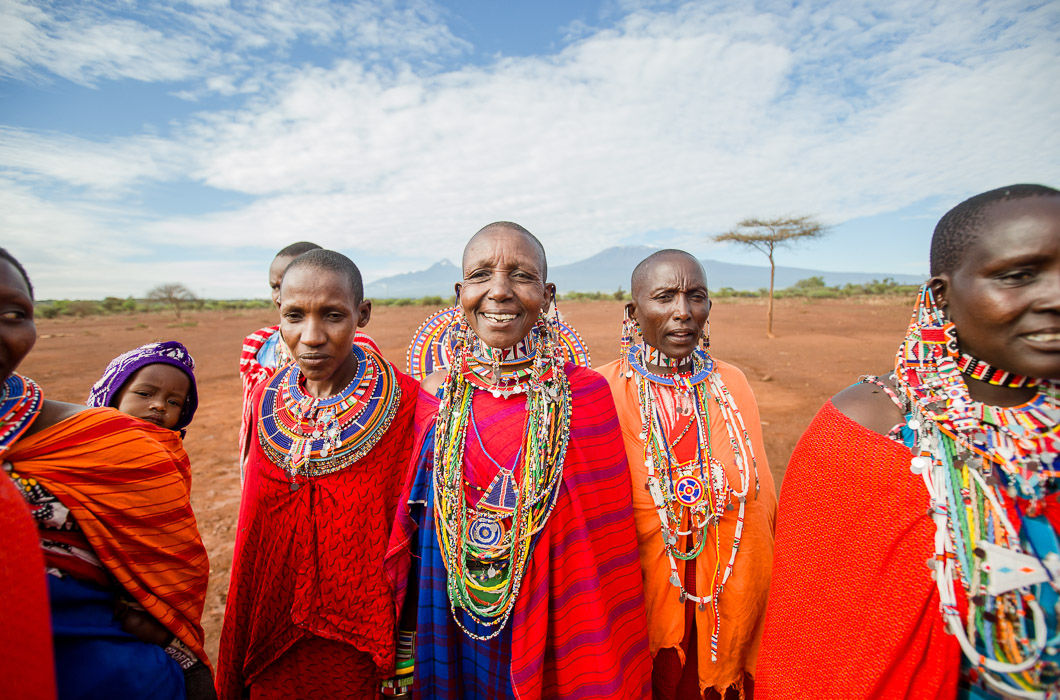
694, 373
309, 436
20, 402
435, 344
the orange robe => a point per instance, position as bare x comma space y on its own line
128, 484
743, 601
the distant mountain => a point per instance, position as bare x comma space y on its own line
437, 280
610, 269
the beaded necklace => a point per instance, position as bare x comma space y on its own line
436, 344
982, 465
308, 436
486, 547
697, 491
977, 369
20, 402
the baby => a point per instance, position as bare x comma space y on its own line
154, 382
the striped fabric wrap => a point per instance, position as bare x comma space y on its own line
128, 485
578, 629
853, 611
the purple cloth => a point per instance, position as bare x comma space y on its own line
105, 391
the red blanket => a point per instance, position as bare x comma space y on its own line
308, 563
128, 484
853, 611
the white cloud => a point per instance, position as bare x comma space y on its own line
680, 119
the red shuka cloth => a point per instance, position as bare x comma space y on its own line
578, 626
26, 663
128, 485
853, 611
308, 563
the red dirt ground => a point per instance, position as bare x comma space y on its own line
821, 347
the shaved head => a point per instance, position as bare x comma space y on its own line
643, 270
499, 226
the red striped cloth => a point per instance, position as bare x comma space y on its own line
127, 483
853, 611
578, 629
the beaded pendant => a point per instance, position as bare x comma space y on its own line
308, 436
20, 402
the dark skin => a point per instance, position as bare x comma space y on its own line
503, 289
1004, 298
17, 337
671, 305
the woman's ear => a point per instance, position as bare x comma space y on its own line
940, 287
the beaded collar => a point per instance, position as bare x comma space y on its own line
307, 436
523, 351
654, 356
985, 468
693, 373
977, 369
20, 402
435, 344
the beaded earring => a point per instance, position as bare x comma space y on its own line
704, 339
629, 328
552, 326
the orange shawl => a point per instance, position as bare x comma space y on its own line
742, 604
127, 483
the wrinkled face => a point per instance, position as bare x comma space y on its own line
319, 318
671, 305
279, 264
155, 393
17, 332
504, 289
1004, 297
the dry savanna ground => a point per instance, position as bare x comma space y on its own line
821, 347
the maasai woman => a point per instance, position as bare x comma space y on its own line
703, 496
127, 568
916, 551
310, 609
518, 510
26, 662
264, 350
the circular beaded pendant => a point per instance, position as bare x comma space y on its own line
689, 491
484, 531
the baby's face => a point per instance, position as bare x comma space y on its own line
156, 394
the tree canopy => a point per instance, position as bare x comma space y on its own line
173, 294
766, 235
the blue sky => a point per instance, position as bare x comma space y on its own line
148, 142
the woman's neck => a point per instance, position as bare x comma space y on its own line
659, 363
994, 395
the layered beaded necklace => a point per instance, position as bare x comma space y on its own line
486, 547
20, 402
308, 436
691, 497
987, 470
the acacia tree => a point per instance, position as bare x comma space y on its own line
173, 294
767, 235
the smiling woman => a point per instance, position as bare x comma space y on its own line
520, 496
949, 460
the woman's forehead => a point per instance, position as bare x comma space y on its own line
503, 248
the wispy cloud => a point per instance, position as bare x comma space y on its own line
670, 122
